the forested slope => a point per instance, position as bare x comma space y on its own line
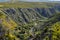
30, 23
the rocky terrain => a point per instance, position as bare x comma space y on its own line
41, 22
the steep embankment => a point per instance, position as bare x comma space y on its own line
25, 15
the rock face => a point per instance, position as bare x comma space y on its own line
25, 15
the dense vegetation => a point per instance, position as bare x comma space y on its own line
30, 23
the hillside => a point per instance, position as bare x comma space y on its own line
29, 21
28, 4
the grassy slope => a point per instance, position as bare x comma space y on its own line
26, 5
